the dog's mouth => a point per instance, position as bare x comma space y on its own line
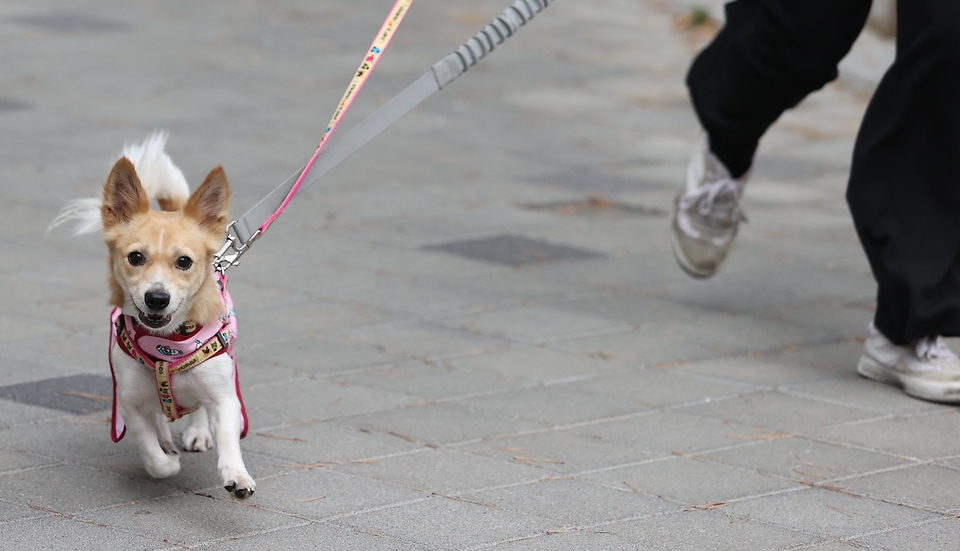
154, 321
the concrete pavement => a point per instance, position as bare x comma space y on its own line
472, 334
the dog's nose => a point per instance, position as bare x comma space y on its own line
156, 300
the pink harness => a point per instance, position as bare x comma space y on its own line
189, 346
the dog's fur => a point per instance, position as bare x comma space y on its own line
167, 252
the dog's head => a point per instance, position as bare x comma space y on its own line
161, 260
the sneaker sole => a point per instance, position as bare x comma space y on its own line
685, 264
918, 387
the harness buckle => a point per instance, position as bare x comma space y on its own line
232, 249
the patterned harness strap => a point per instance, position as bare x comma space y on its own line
216, 345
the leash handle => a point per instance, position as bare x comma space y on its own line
472, 51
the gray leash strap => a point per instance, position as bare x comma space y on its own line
246, 229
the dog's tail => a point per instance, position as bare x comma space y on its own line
162, 181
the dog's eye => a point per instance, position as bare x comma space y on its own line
136, 258
184, 262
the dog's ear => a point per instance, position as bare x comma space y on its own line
208, 205
123, 196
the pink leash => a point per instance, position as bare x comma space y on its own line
383, 38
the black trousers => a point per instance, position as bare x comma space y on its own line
904, 189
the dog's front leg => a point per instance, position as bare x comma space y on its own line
225, 420
149, 429
197, 437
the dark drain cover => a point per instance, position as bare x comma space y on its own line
75, 393
513, 250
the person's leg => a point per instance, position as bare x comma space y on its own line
767, 58
904, 193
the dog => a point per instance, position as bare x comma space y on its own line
173, 324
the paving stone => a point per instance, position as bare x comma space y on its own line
332, 536
60, 533
585, 540
562, 451
423, 340
437, 424
512, 250
442, 523
707, 530
303, 399
75, 394
311, 356
667, 432
444, 471
528, 324
658, 388
312, 443
537, 364
691, 481
572, 502
927, 486
430, 380
76, 489
803, 459
553, 405
923, 437
941, 534
194, 519
757, 371
651, 347
853, 390
828, 513
780, 412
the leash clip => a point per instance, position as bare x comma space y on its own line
232, 249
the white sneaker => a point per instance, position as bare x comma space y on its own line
927, 369
706, 213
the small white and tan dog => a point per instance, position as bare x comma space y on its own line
173, 322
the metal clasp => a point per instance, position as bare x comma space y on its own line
231, 251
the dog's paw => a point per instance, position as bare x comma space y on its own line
239, 484
197, 439
162, 466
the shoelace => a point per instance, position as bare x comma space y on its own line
706, 195
933, 348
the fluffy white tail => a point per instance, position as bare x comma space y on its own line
160, 178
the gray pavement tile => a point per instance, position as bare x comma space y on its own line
536, 363
417, 339
553, 405
70, 438
852, 389
630, 308
15, 460
562, 451
839, 358
941, 534
805, 460
509, 284
707, 531
329, 536
828, 513
437, 424
838, 319
326, 494
657, 388
304, 399
563, 540
450, 524
76, 488
649, 346
528, 324
930, 487
430, 380
443, 471
572, 502
297, 319
739, 332
692, 481
919, 437
780, 412
666, 432
310, 356
513, 250
14, 414
78, 394
193, 519
311, 443
62, 533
